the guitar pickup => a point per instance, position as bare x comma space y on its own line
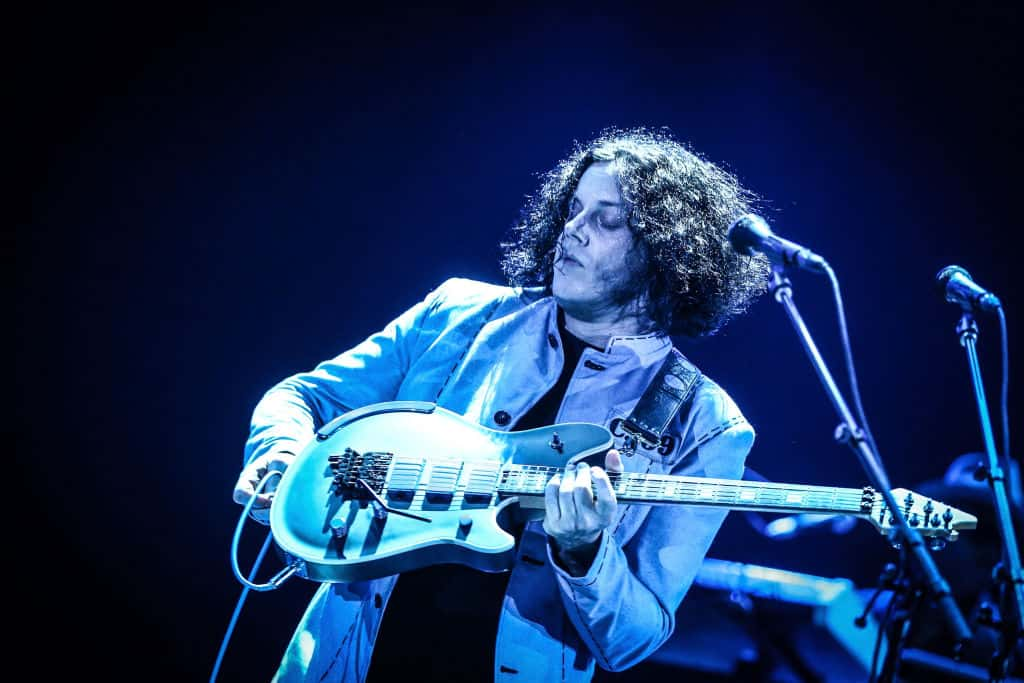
404, 478
480, 484
444, 477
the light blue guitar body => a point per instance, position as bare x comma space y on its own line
438, 475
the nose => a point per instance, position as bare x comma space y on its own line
575, 227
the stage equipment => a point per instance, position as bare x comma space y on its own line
848, 432
957, 286
746, 622
750, 234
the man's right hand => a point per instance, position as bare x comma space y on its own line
252, 475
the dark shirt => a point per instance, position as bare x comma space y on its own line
441, 622
543, 413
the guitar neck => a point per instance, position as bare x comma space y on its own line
649, 489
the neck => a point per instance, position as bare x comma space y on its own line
598, 330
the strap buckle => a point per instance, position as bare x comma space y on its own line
637, 435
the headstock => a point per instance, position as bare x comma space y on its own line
937, 522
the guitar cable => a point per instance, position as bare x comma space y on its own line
247, 584
238, 608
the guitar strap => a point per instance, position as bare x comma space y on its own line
670, 390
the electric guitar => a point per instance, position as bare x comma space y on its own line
401, 485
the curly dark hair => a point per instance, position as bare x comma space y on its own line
680, 209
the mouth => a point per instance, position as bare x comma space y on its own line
565, 259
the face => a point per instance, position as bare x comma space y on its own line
591, 274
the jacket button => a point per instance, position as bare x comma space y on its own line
502, 418
553, 341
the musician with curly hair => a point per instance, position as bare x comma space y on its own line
623, 245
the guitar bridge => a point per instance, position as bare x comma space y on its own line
352, 466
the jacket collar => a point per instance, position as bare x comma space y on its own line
619, 347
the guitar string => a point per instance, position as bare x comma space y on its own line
848, 505
526, 483
654, 487
648, 482
536, 470
648, 485
458, 496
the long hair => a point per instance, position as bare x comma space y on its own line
680, 209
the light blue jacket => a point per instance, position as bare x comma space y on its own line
482, 350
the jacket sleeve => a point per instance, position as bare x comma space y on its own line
288, 415
624, 607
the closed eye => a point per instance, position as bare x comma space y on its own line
611, 220
609, 215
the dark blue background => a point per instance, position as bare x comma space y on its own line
222, 197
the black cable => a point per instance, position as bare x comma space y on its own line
895, 656
848, 356
1004, 399
851, 373
898, 586
878, 639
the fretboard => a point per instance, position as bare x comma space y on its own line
652, 489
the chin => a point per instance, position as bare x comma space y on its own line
573, 303
562, 292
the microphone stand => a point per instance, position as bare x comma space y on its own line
849, 433
1012, 625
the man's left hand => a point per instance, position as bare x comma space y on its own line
578, 505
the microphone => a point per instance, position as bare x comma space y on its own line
750, 234
955, 284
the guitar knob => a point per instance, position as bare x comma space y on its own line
339, 529
465, 521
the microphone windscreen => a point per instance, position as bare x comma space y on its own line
747, 233
945, 274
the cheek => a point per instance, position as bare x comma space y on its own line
616, 261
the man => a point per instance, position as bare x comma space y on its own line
624, 244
